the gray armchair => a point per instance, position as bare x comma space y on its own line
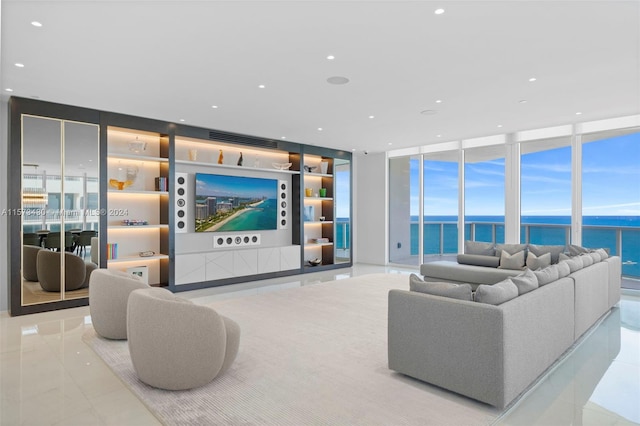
77, 272
175, 344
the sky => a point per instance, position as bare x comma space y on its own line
236, 186
610, 182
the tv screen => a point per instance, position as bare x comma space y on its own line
235, 203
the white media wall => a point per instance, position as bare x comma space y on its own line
198, 256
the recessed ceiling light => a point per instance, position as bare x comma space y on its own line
337, 80
182, 119
429, 112
214, 106
523, 101
353, 149
261, 86
438, 136
331, 57
372, 116
8, 89
578, 113
439, 101
532, 79
283, 137
319, 129
439, 11
499, 125
390, 143
19, 65
36, 24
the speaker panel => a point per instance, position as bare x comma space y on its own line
181, 195
236, 240
283, 204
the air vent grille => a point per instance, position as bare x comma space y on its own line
245, 140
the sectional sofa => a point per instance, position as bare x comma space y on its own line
493, 352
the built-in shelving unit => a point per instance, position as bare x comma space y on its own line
138, 173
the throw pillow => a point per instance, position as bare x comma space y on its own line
538, 262
595, 256
547, 275
526, 282
497, 293
575, 250
454, 291
477, 247
540, 250
563, 269
586, 259
511, 261
509, 248
603, 253
575, 263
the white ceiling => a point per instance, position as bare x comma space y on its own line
173, 60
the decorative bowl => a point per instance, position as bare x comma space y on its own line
282, 166
314, 262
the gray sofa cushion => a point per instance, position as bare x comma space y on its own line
538, 262
444, 270
587, 260
575, 263
595, 256
526, 282
539, 250
454, 291
478, 260
477, 247
509, 248
496, 294
575, 250
547, 275
511, 261
563, 256
563, 269
603, 253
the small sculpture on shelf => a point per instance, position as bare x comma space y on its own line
240, 160
220, 157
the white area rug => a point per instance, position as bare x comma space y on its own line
314, 355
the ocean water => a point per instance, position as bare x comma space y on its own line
542, 230
266, 217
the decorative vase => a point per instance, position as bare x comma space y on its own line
220, 157
323, 192
240, 160
193, 154
308, 192
324, 167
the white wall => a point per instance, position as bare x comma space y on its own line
4, 243
370, 208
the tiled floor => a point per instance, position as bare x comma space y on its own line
48, 376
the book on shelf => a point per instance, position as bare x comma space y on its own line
161, 183
112, 250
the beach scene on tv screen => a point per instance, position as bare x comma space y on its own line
235, 203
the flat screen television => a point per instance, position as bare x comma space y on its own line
226, 203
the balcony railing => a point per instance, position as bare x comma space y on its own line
441, 238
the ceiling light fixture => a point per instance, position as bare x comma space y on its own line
319, 129
283, 137
439, 101
438, 136
19, 65
439, 11
372, 116
353, 149
499, 125
390, 143
337, 80
9, 89
331, 57
578, 113
214, 106
261, 86
532, 79
182, 119
36, 24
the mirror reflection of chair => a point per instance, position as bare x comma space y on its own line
29, 262
76, 271
53, 242
83, 239
31, 239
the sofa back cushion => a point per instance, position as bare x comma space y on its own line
477, 247
509, 248
526, 282
496, 294
478, 260
563, 269
587, 260
553, 250
547, 275
538, 262
454, 291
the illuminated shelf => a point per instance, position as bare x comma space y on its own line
312, 174
317, 221
137, 258
137, 226
134, 157
136, 192
229, 166
317, 244
318, 198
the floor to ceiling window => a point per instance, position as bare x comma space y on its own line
545, 191
440, 203
484, 171
611, 196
